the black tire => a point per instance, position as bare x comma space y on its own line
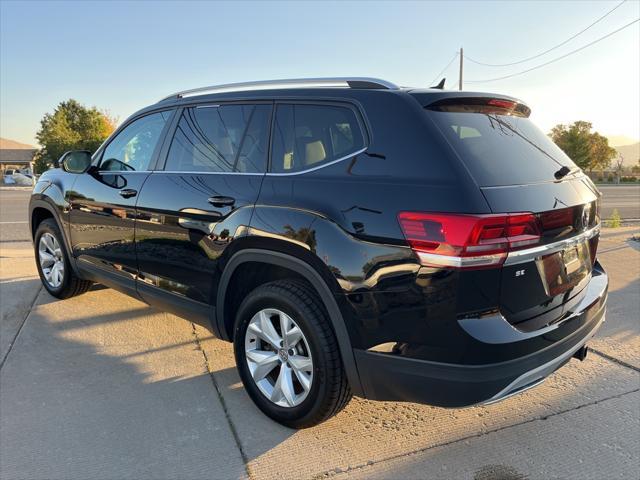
329, 392
71, 284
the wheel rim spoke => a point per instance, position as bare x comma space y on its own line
266, 331
304, 379
46, 259
264, 362
293, 336
48, 242
299, 362
285, 326
47, 274
283, 389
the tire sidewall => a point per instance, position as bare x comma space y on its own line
47, 226
259, 300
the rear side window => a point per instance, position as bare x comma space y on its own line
308, 136
501, 149
226, 138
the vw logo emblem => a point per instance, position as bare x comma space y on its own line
283, 354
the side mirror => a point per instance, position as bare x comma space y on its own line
76, 161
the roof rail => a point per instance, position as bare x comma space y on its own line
351, 82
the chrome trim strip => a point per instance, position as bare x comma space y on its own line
537, 375
522, 256
113, 172
510, 394
195, 172
458, 262
313, 169
283, 83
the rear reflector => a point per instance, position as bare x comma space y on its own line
468, 241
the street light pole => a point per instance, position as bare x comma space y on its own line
460, 79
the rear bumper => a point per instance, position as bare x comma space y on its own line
395, 377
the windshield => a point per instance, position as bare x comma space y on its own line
501, 149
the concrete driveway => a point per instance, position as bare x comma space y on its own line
102, 386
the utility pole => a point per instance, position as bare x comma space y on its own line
460, 79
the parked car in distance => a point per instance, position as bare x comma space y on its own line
7, 176
350, 237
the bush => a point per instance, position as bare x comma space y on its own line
610, 177
615, 220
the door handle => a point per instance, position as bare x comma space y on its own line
128, 193
220, 201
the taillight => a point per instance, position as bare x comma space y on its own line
468, 241
557, 218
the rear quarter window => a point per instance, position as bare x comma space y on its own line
309, 136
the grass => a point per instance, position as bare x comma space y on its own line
614, 220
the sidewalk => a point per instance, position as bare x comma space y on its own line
102, 386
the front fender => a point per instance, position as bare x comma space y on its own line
48, 194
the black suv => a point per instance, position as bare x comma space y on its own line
350, 237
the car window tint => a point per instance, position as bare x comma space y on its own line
499, 149
226, 138
307, 136
132, 149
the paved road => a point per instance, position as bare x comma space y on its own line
625, 198
14, 202
102, 386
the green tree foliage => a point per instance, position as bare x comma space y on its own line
589, 150
71, 126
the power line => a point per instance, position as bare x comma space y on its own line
549, 50
555, 59
444, 69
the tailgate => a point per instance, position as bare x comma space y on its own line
519, 170
542, 284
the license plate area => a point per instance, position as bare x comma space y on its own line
563, 270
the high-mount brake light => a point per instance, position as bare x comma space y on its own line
496, 102
468, 241
485, 105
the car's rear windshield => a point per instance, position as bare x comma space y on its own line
500, 149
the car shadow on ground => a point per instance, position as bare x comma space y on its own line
104, 386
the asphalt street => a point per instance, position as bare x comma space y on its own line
624, 198
102, 386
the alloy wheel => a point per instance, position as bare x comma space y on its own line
51, 260
278, 357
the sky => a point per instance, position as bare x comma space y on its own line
121, 56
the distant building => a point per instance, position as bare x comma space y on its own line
15, 155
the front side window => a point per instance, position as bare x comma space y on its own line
224, 138
132, 149
307, 136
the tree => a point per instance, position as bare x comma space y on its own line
618, 167
600, 152
71, 126
589, 150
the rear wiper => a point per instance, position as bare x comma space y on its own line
564, 171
